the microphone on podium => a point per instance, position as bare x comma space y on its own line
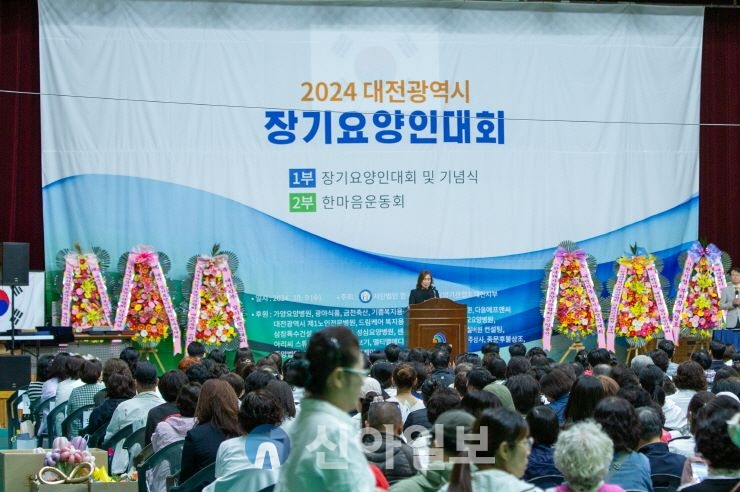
435, 291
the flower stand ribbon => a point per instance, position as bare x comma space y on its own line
586, 297
154, 298
214, 309
85, 301
697, 297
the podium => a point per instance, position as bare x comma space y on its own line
438, 321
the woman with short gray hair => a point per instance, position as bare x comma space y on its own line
583, 453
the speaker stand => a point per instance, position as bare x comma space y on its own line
12, 320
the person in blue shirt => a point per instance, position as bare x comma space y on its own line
629, 469
544, 429
555, 385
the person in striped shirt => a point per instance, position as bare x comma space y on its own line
85, 394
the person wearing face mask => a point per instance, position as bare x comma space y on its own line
424, 290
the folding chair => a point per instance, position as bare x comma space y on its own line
11, 410
546, 481
198, 481
171, 454
37, 415
53, 422
664, 482
112, 442
95, 440
134, 444
76, 416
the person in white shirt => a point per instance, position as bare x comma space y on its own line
134, 411
689, 379
404, 377
74, 367
324, 452
234, 470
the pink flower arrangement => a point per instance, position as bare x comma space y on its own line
571, 305
216, 316
638, 311
696, 311
701, 313
85, 305
146, 314
575, 315
214, 311
145, 306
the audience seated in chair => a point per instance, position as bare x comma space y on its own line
404, 378
172, 429
57, 373
716, 447
119, 388
543, 429
169, 385
685, 445
525, 392
500, 464
661, 460
74, 367
135, 410
556, 386
652, 379
130, 356
110, 367
259, 417
629, 469
383, 444
216, 414
43, 373
586, 393
689, 380
448, 442
332, 373
583, 453
85, 394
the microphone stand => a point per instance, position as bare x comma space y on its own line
12, 320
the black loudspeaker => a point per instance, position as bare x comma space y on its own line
14, 264
15, 373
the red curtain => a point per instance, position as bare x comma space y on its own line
21, 217
719, 146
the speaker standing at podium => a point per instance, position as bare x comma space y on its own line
730, 300
424, 288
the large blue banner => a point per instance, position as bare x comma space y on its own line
340, 150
